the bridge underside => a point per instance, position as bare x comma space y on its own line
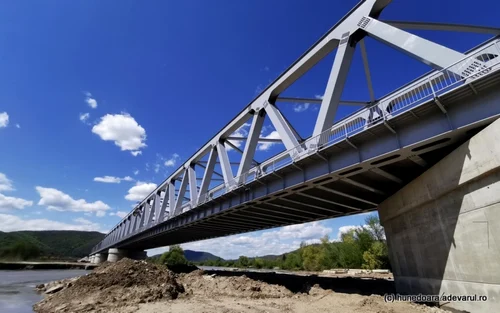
349, 177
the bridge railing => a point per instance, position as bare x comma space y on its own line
471, 68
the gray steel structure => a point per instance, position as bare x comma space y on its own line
343, 168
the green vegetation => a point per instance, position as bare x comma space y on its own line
174, 256
363, 247
47, 245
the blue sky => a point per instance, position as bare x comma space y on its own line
130, 89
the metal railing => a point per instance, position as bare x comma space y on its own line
472, 67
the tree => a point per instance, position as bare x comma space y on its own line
377, 230
243, 261
174, 256
376, 256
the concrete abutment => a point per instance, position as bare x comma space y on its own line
443, 228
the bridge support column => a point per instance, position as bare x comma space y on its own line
99, 258
115, 255
443, 228
91, 259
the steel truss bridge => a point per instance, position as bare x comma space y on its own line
343, 168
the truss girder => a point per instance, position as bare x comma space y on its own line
164, 202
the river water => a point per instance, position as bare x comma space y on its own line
17, 294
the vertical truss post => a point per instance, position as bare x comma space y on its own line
335, 85
193, 186
364, 55
182, 192
122, 229
164, 204
251, 144
225, 165
171, 197
134, 226
144, 209
153, 210
129, 226
207, 175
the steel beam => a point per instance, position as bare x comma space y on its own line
364, 55
193, 186
426, 51
284, 130
207, 176
143, 214
182, 192
171, 197
227, 171
251, 144
335, 85
445, 27
245, 138
318, 101
163, 207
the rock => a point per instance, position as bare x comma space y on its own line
54, 289
41, 286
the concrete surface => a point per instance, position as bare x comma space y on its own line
443, 228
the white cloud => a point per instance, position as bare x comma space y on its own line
5, 183
266, 145
90, 101
18, 126
4, 119
346, 229
319, 97
120, 214
136, 172
112, 179
123, 130
276, 241
100, 213
172, 161
301, 107
108, 179
242, 131
84, 117
56, 200
10, 203
13, 223
140, 191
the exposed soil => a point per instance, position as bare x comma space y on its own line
113, 286
138, 286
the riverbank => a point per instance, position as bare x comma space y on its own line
139, 286
28, 265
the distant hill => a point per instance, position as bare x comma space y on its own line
53, 244
199, 256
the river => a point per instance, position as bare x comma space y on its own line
17, 294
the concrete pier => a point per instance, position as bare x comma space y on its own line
115, 255
99, 258
443, 228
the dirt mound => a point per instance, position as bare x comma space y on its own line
123, 283
197, 283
